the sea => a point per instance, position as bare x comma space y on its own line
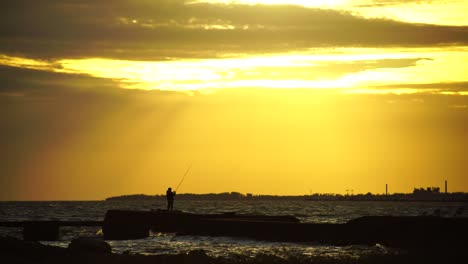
168, 243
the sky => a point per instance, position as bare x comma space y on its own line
99, 99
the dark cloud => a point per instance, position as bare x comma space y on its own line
442, 86
27, 82
162, 29
383, 3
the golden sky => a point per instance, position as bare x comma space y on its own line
264, 97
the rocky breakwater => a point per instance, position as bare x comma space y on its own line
85, 250
127, 224
92, 251
402, 232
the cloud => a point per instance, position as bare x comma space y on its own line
68, 89
24, 82
439, 87
380, 3
165, 29
314, 70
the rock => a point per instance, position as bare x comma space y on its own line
13, 250
41, 230
198, 253
124, 225
90, 245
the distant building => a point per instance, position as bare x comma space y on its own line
427, 191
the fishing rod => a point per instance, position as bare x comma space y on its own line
181, 180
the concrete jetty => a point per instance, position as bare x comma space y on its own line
395, 231
122, 224
45, 230
407, 231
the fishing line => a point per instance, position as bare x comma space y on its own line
185, 174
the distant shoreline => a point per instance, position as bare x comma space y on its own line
411, 197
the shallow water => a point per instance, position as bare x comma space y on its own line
306, 211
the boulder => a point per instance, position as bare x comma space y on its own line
89, 245
124, 225
41, 230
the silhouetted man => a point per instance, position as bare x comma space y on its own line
170, 199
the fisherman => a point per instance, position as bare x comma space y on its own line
170, 199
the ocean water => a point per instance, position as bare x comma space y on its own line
160, 243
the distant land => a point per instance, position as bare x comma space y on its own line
429, 194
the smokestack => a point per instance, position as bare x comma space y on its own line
386, 189
446, 186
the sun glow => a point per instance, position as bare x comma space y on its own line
342, 69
